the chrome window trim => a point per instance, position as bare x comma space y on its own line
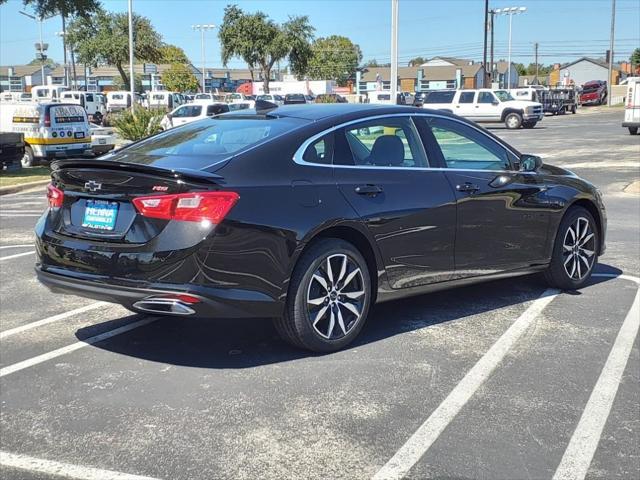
297, 156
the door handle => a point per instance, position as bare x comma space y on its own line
467, 187
371, 190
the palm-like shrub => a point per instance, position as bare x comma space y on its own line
138, 124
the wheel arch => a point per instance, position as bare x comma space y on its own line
359, 239
592, 208
507, 111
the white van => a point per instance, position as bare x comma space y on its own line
192, 112
15, 97
48, 93
163, 99
51, 129
530, 93
120, 100
93, 103
632, 106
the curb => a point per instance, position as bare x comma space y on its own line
23, 186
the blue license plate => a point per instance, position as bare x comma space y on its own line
100, 214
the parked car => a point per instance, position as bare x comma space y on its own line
11, 150
418, 99
276, 99
294, 99
405, 98
329, 98
488, 106
191, 112
594, 93
632, 106
94, 104
103, 139
310, 98
121, 100
51, 129
164, 100
310, 215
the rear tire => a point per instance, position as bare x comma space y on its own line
575, 251
329, 297
633, 130
574, 109
28, 158
513, 121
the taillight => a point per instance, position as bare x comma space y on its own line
55, 196
188, 207
47, 119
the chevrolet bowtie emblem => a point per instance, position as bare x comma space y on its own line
92, 186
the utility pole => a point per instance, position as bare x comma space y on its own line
64, 49
394, 51
613, 25
132, 78
535, 47
493, 13
484, 50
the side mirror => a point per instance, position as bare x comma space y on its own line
495, 103
530, 163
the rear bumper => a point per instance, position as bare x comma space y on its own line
631, 124
214, 302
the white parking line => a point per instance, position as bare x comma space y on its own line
418, 444
9, 257
73, 347
24, 245
8, 215
586, 437
55, 318
59, 469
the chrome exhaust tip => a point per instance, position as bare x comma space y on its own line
165, 306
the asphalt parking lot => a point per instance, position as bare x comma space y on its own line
505, 380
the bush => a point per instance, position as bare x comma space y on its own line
138, 124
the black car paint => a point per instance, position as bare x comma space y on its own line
419, 234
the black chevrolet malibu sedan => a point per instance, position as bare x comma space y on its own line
310, 215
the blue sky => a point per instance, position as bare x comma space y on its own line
565, 29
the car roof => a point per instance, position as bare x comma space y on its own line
321, 111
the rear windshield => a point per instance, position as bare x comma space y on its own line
295, 96
208, 141
117, 96
439, 97
68, 114
203, 96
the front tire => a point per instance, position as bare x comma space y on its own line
575, 251
28, 158
513, 121
329, 297
529, 124
633, 130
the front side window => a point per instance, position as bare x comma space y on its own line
320, 152
89, 97
467, 97
216, 110
188, 111
486, 97
392, 142
465, 148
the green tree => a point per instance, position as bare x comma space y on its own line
416, 62
47, 63
635, 57
172, 54
65, 8
520, 68
180, 78
119, 84
372, 63
334, 58
261, 42
103, 39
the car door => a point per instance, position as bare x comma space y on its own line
486, 107
502, 213
465, 107
381, 168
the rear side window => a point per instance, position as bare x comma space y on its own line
392, 142
216, 110
320, 152
89, 97
440, 97
486, 97
467, 97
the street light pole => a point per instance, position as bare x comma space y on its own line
41, 47
131, 70
202, 29
394, 51
511, 11
613, 26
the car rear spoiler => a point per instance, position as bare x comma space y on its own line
186, 174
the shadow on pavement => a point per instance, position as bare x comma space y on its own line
246, 343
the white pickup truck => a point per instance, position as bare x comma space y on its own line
485, 105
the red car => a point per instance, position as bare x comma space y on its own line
594, 93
